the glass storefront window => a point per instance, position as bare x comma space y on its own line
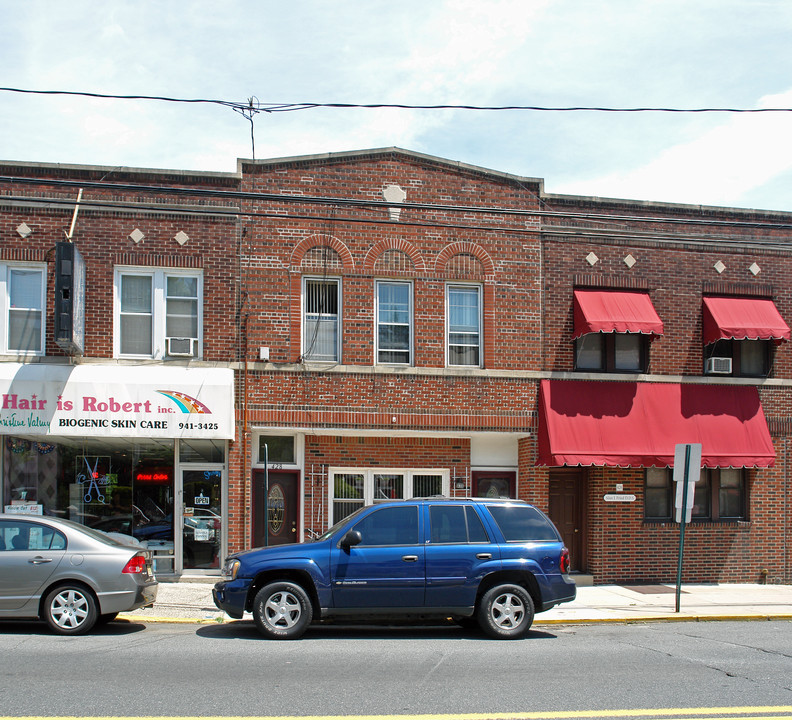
113, 485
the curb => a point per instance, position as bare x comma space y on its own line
663, 618
567, 621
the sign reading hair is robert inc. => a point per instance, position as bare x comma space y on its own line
116, 401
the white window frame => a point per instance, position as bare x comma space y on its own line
5, 307
410, 323
368, 483
159, 276
304, 317
480, 293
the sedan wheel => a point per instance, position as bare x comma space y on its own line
282, 610
70, 610
506, 612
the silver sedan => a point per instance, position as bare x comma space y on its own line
69, 575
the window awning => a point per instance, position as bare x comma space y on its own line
736, 318
615, 311
624, 424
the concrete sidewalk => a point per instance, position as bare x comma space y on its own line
191, 601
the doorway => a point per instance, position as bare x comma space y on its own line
202, 520
276, 497
567, 511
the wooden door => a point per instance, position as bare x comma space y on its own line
567, 511
275, 507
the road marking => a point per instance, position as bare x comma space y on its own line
760, 712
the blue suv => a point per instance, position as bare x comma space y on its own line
479, 561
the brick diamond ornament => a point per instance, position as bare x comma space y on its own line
592, 259
136, 235
24, 230
719, 267
181, 237
629, 261
755, 269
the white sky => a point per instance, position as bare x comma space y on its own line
616, 53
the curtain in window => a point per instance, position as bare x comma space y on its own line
320, 325
463, 326
136, 315
24, 314
393, 323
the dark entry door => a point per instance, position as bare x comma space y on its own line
275, 507
567, 511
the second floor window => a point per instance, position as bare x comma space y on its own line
394, 323
612, 352
464, 325
158, 313
749, 358
22, 291
321, 319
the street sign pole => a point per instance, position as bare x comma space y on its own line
687, 471
682, 524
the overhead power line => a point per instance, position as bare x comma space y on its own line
252, 105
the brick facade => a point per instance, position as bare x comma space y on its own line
257, 234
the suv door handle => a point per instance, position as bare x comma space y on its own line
38, 560
410, 558
483, 556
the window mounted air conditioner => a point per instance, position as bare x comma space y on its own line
719, 366
182, 347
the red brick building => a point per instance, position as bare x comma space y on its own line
264, 351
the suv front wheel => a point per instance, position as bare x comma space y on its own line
506, 612
282, 611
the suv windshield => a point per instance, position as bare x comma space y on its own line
523, 523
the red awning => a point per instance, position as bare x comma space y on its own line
615, 311
627, 424
736, 318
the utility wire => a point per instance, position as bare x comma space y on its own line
252, 106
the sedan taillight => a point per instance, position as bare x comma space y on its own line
136, 565
563, 563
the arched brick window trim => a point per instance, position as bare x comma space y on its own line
458, 248
314, 241
393, 244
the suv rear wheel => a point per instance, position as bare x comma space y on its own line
506, 612
282, 611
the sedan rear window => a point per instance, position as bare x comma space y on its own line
523, 523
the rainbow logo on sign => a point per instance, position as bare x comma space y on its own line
186, 403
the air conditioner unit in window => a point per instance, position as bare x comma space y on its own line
182, 347
719, 366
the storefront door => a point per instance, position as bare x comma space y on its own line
567, 511
275, 507
202, 493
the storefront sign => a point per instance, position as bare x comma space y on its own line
619, 498
116, 401
24, 509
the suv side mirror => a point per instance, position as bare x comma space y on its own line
351, 537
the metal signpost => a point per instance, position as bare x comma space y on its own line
687, 470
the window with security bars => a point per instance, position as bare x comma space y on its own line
463, 304
321, 319
22, 290
351, 489
157, 313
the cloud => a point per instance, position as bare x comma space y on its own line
719, 167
